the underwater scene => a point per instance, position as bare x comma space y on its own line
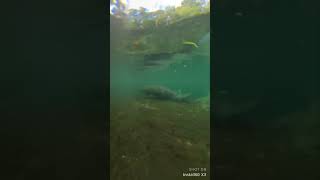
265, 96
160, 90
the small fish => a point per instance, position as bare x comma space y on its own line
190, 43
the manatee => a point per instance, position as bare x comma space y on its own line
164, 93
225, 106
233, 111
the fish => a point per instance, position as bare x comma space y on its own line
164, 93
190, 43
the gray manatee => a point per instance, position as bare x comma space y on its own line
164, 93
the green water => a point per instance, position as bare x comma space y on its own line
160, 139
188, 73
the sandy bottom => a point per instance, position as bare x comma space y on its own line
157, 140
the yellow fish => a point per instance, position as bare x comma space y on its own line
190, 43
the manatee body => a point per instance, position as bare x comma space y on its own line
230, 111
264, 111
225, 107
163, 93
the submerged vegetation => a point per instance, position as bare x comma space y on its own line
171, 30
143, 20
138, 19
155, 139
